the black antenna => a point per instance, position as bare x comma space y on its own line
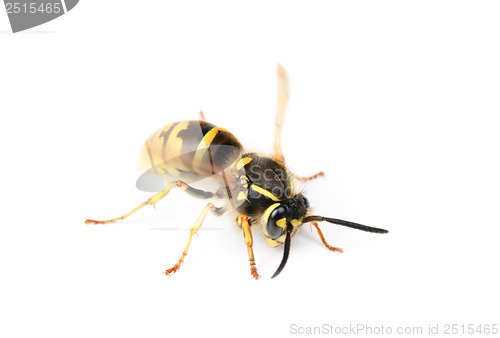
344, 223
287, 250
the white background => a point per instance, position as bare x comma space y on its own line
397, 102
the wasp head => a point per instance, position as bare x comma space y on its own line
281, 221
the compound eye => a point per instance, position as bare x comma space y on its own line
276, 224
306, 202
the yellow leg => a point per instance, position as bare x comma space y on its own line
309, 178
247, 232
151, 201
332, 248
202, 116
150, 156
194, 230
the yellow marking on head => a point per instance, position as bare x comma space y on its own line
241, 196
296, 222
244, 161
275, 242
281, 223
266, 215
203, 146
264, 192
268, 212
271, 242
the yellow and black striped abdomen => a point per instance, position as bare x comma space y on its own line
190, 148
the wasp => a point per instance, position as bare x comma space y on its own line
257, 189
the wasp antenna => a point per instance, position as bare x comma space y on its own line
344, 223
287, 250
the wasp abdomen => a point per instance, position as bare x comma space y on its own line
190, 148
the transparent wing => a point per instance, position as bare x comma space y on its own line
283, 96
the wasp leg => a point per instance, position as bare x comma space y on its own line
150, 156
308, 178
202, 116
195, 192
247, 232
194, 230
157, 197
332, 248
